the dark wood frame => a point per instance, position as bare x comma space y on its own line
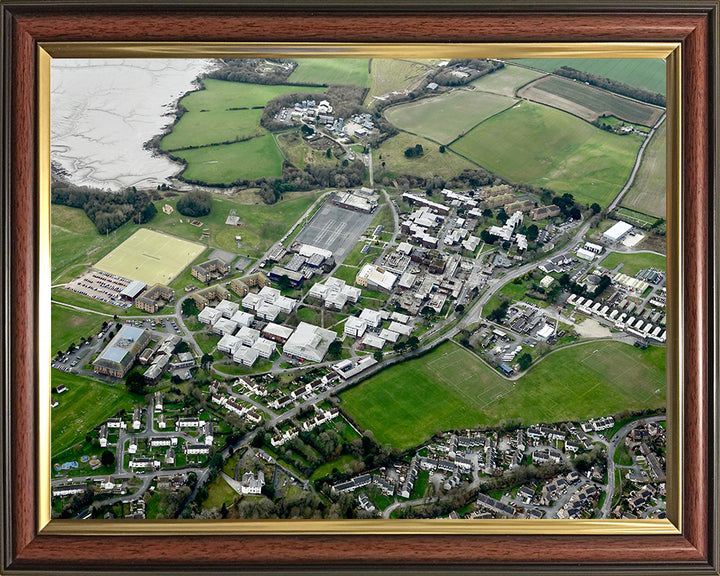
26, 23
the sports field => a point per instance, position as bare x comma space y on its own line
588, 102
326, 71
643, 73
151, 257
446, 117
546, 147
390, 159
633, 263
389, 74
648, 192
506, 80
225, 163
450, 388
85, 405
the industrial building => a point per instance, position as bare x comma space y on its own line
309, 342
119, 355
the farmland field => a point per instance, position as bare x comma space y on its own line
326, 71
648, 192
449, 388
84, 406
506, 80
392, 153
226, 163
643, 73
151, 257
547, 147
632, 263
588, 102
389, 74
447, 117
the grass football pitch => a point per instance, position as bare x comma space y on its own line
151, 257
450, 388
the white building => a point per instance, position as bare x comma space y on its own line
247, 336
242, 318
371, 317
265, 348
375, 278
228, 344
227, 308
209, 315
617, 232
355, 327
224, 326
309, 342
245, 355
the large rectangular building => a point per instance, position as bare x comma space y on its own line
119, 355
309, 342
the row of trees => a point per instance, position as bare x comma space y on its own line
613, 86
473, 67
107, 210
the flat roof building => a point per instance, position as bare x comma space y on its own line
309, 342
374, 277
617, 231
119, 355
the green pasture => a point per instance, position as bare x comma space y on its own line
642, 73
297, 151
447, 117
151, 257
547, 147
389, 159
450, 388
506, 81
389, 74
634, 262
648, 192
596, 100
227, 163
69, 325
84, 406
326, 71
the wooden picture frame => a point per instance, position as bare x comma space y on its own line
28, 546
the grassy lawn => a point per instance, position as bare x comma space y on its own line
448, 116
326, 71
75, 299
296, 151
547, 147
391, 153
389, 74
505, 81
342, 464
642, 73
648, 192
226, 163
347, 273
207, 342
219, 493
591, 98
84, 406
261, 225
632, 263
69, 325
450, 388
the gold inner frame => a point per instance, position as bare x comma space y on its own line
658, 50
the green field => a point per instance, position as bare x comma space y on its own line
76, 243
389, 74
84, 406
432, 163
326, 71
227, 163
648, 192
222, 112
506, 80
592, 99
261, 225
69, 325
643, 73
449, 388
449, 116
547, 147
296, 151
151, 257
633, 263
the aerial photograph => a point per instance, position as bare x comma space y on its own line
358, 288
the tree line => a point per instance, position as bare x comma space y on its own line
246, 70
616, 86
107, 210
